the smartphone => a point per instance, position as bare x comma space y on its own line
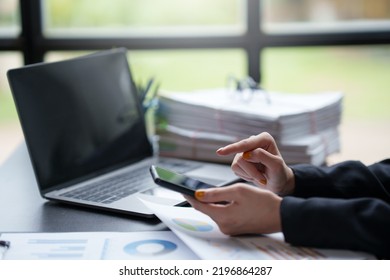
177, 182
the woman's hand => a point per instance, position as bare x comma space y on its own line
240, 208
258, 160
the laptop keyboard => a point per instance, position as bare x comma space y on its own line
114, 188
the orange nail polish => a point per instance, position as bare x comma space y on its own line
199, 194
246, 155
263, 181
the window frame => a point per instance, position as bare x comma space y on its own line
33, 44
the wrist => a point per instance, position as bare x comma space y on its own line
289, 187
277, 220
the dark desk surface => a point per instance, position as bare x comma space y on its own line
22, 209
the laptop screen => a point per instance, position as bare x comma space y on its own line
80, 117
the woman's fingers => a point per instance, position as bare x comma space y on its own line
249, 171
263, 140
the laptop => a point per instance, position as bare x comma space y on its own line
86, 136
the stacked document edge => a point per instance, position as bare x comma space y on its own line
305, 126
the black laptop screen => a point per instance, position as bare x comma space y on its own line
80, 117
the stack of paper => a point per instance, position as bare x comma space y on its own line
305, 126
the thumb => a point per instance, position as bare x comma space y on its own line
215, 195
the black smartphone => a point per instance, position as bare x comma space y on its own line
177, 182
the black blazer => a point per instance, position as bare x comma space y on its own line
344, 206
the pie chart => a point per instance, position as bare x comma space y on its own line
150, 247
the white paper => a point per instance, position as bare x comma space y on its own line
203, 236
96, 245
198, 122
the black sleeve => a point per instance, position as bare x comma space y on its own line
346, 206
349, 179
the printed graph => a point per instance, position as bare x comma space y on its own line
150, 247
57, 248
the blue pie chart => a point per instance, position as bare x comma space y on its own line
150, 247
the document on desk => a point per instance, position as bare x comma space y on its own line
200, 233
96, 246
193, 236
196, 123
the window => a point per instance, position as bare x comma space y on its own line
361, 73
9, 18
188, 69
9, 28
142, 17
8, 60
325, 15
10, 132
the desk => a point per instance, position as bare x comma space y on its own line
22, 209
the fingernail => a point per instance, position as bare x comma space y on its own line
220, 149
246, 155
199, 194
263, 181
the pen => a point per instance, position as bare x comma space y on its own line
4, 246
